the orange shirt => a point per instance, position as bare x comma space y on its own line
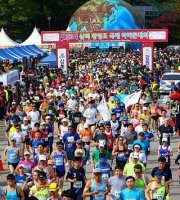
85, 135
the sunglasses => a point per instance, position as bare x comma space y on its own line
60, 146
101, 129
137, 172
108, 127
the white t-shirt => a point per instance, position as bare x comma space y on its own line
139, 129
71, 103
19, 136
90, 115
34, 117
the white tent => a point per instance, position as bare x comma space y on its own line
5, 40
35, 38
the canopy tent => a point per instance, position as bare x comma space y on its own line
35, 39
5, 41
20, 53
50, 59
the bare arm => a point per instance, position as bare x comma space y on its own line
86, 192
147, 190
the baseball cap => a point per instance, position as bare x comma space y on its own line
13, 102
97, 170
64, 120
72, 95
137, 145
101, 144
141, 134
81, 99
26, 153
21, 165
42, 157
125, 118
145, 108
102, 160
42, 176
12, 138
164, 140
79, 141
158, 174
53, 187
48, 117
25, 119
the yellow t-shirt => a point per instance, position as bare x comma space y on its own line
129, 168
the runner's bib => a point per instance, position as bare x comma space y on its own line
99, 196
165, 135
70, 139
59, 161
77, 184
117, 193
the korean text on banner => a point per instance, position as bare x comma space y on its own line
103, 109
132, 99
62, 59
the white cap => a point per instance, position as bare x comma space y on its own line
164, 139
64, 120
48, 117
25, 119
21, 165
90, 95
26, 153
101, 144
81, 99
42, 157
145, 108
86, 125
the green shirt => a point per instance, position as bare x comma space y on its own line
96, 153
129, 168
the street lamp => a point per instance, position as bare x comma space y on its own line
49, 20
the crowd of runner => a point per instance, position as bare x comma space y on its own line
54, 129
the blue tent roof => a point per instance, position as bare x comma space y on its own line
16, 54
51, 59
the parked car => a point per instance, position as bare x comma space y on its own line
166, 79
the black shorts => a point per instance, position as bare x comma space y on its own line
92, 125
27, 141
60, 174
155, 117
13, 164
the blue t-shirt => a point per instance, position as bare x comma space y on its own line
20, 179
68, 140
11, 118
148, 135
134, 194
118, 111
144, 144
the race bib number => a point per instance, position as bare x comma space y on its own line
105, 176
159, 197
50, 112
46, 139
77, 184
70, 139
61, 116
102, 142
165, 135
85, 139
99, 196
13, 156
59, 161
76, 119
36, 98
117, 193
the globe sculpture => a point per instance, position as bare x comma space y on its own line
105, 15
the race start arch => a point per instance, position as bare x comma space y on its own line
147, 37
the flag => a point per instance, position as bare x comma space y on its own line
103, 109
132, 99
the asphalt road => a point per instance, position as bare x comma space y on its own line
152, 162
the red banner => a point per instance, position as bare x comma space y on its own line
140, 35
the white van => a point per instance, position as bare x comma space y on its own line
166, 79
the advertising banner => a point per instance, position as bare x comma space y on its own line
62, 56
148, 54
139, 35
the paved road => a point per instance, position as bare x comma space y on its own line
175, 193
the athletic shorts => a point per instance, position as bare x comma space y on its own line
13, 164
60, 174
155, 117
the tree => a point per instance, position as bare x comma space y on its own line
170, 21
